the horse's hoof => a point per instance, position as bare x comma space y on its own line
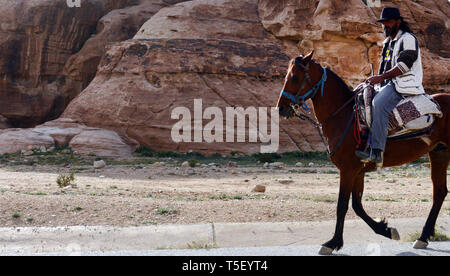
394, 234
420, 244
325, 251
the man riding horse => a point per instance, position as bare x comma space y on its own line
400, 74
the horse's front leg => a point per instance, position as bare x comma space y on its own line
381, 227
346, 185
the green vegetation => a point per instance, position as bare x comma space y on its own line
198, 245
58, 156
326, 199
289, 158
225, 197
266, 157
37, 193
166, 211
65, 180
193, 163
438, 236
370, 198
65, 156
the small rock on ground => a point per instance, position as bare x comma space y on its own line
259, 188
99, 164
285, 181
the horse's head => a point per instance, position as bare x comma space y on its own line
297, 83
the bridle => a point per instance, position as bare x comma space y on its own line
299, 100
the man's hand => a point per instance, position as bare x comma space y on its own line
394, 72
375, 79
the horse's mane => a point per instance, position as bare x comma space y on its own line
340, 81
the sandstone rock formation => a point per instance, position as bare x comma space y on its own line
4, 123
38, 39
182, 54
118, 25
346, 37
80, 138
228, 53
342, 33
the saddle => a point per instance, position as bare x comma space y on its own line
412, 115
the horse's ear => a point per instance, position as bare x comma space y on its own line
298, 60
308, 58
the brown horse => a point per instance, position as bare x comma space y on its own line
307, 79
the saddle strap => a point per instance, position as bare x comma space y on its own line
422, 133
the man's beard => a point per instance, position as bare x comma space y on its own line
388, 31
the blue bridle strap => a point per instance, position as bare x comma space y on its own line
300, 100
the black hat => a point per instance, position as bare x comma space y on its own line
389, 13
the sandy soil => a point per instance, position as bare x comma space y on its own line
148, 194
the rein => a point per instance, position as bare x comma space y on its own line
299, 101
318, 126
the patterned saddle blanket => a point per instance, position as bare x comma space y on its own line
412, 114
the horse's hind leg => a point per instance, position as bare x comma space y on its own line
378, 227
439, 162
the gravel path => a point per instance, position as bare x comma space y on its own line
136, 195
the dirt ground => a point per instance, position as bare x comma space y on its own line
127, 195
